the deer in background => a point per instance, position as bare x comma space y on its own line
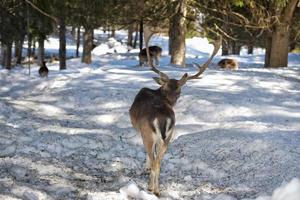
153, 116
228, 63
43, 71
155, 53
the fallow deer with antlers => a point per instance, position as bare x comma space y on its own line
153, 116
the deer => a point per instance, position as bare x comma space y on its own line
155, 53
228, 63
43, 71
152, 114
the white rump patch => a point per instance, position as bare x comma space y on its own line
157, 130
168, 129
156, 137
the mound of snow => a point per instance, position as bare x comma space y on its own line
102, 49
111, 46
112, 42
131, 190
290, 191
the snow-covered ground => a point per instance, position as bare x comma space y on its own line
69, 136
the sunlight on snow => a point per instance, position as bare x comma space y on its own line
105, 118
44, 109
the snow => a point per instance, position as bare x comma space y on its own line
131, 190
290, 191
69, 136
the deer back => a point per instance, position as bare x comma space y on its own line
43, 71
150, 111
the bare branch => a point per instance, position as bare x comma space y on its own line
41, 11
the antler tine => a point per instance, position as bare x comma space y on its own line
202, 68
161, 74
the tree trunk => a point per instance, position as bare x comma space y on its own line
87, 45
130, 36
236, 48
3, 54
141, 34
62, 44
279, 47
268, 45
113, 31
136, 36
33, 48
280, 37
225, 50
73, 32
250, 48
177, 35
7, 55
19, 48
78, 42
170, 41
41, 52
29, 45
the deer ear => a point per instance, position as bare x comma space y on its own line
183, 79
159, 80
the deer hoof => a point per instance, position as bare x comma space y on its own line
145, 173
157, 193
147, 170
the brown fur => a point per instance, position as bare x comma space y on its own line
228, 63
156, 106
53, 58
155, 53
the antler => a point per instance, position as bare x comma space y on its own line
161, 74
148, 33
202, 68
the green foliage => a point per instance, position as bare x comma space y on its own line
238, 3
12, 20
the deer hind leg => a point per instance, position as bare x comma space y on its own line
157, 57
148, 163
158, 151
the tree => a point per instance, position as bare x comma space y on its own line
12, 21
155, 13
87, 44
295, 31
177, 31
271, 20
279, 35
40, 24
90, 15
61, 9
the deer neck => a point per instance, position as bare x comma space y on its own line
170, 101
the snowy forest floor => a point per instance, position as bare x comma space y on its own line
69, 136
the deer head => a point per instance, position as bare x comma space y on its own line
171, 88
